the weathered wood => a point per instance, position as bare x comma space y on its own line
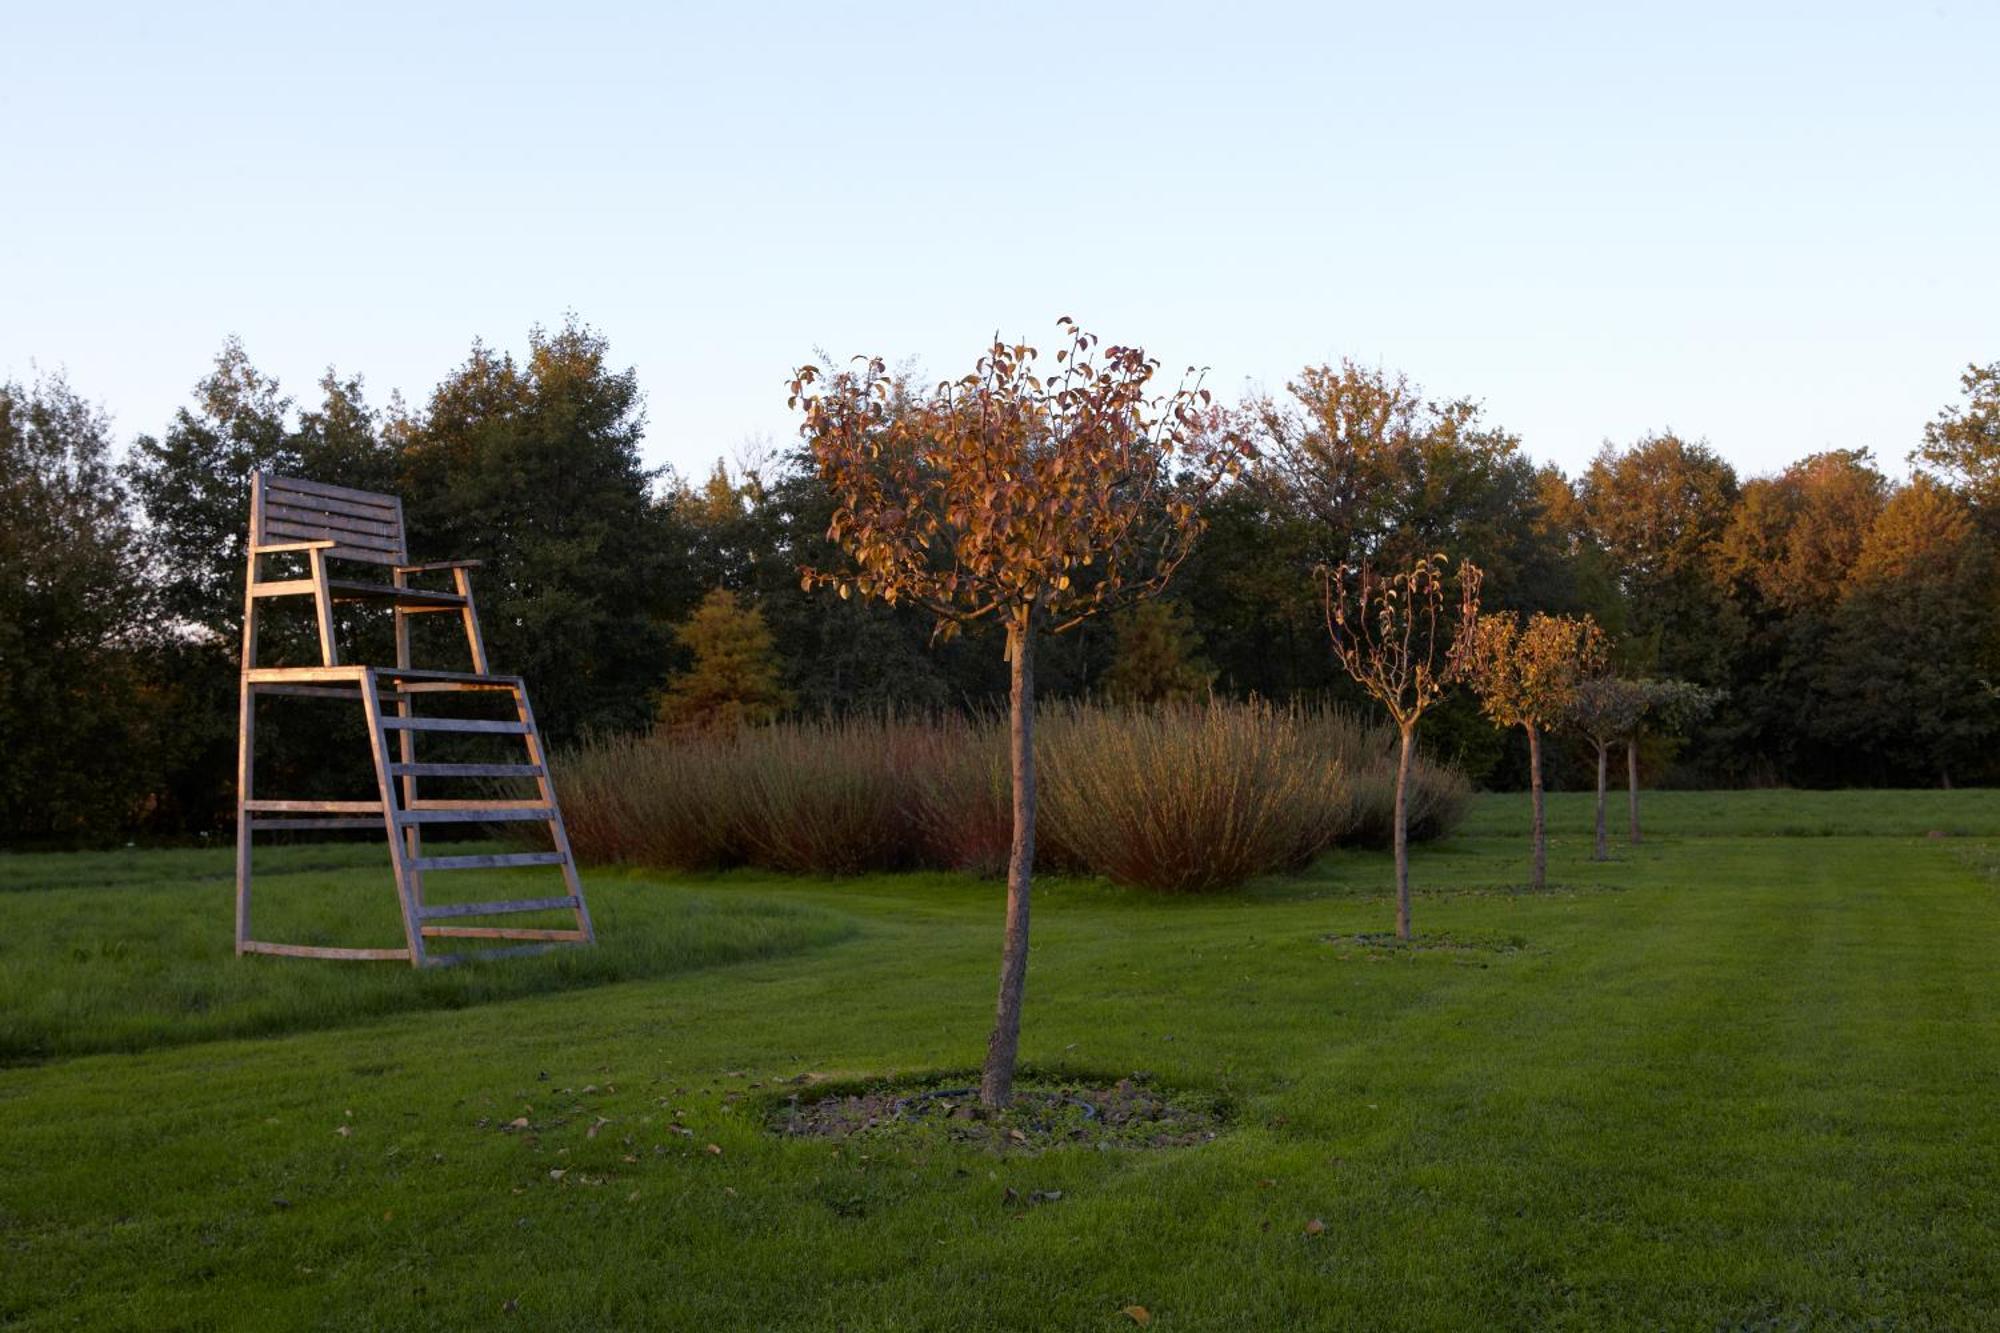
454, 724
283, 587
311, 691
568, 935
434, 911
329, 490
356, 590
467, 770
326, 523
370, 524
485, 814
290, 548
478, 803
488, 861
432, 566
325, 951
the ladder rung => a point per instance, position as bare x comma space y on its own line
324, 951
466, 770
281, 825
453, 724
570, 936
483, 815
319, 807
429, 913
485, 861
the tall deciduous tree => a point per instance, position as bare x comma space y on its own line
1008, 497
1527, 676
533, 467
1393, 636
1963, 442
75, 617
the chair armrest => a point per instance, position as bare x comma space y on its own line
439, 564
279, 548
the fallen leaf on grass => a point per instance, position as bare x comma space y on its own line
557, 1173
713, 1150
520, 1122
1315, 1227
1138, 1314
345, 1131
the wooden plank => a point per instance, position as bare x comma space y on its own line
319, 807
408, 883
312, 691
486, 814
296, 825
558, 834
349, 590
454, 724
330, 518
351, 672
329, 650
283, 588
299, 498
367, 541
466, 770
566, 936
486, 861
425, 673
479, 803
322, 488
325, 951
432, 912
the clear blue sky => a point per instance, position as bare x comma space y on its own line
1774, 226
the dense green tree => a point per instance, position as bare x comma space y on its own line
533, 467
1159, 657
78, 749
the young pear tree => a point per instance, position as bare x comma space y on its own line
1670, 707
1606, 711
1007, 497
1527, 676
1394, 635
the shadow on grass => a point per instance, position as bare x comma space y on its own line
87, 970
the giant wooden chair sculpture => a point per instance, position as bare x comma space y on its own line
325, 524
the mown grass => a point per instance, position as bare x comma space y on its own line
1728, 1080
96, 958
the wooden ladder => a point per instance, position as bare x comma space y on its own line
404, 814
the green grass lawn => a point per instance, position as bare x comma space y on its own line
1744, 1076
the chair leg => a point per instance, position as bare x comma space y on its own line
329, 651
371, 703
475, 642
246, 756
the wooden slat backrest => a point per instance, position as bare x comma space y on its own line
367, 526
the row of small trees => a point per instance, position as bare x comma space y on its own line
1034, 499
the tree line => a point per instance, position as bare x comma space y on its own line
1846, 620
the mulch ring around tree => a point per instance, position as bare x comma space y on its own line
1081, 1113
1380, 946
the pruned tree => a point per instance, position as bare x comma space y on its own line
1527, 676
1669, 707
1394, 636
1606, 711
1004, 497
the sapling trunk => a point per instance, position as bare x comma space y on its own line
996, 1082
1538, 864
1602, 852
1409, 732
1632, 786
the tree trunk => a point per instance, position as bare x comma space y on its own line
996, 1082
1602, 852
1538, 865
1403, 832
1632, 786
